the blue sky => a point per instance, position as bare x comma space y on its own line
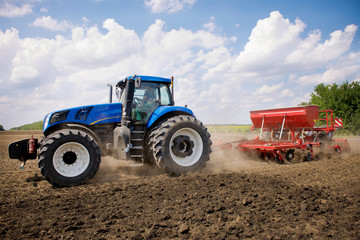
228, 57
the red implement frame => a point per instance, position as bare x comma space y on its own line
287, 132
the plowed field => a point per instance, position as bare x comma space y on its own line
233, 198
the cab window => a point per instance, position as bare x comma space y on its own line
165, 95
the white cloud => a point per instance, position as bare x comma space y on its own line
52, 24
85, 21
214, 57
210, 26
273, 44
265, 89
219, 85
32, 62
270, 41
301, 98
287, 93
88, 49
9, 43
10, 10
334, 74
168, 6
23, 72
264, 54
311, 51
43, 10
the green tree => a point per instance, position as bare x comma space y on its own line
343, 99
1, 128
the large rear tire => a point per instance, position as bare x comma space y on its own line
69, 157
149, 146
181, 144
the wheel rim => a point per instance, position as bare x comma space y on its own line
186, 147
290, 155
71, 159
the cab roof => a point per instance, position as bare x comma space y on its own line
146, 79
153, 79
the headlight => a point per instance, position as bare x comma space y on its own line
58, 116
46, 121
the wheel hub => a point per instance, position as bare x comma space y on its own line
182, 146
69, 157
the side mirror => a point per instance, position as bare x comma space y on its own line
137, 82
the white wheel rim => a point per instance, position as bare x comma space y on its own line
71, 169
197, 149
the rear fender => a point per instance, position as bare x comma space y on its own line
162, 110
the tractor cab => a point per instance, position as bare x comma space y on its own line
141, 96
144, 99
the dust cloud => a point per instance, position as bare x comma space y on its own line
222, 161
354, 142
229, 160
114, 170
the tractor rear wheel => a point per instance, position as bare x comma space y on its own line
149, 143
181, 144
69, 157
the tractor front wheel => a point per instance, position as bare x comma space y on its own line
69, 157
182, 144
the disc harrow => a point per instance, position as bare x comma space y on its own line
291, 134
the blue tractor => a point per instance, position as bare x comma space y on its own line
144, 126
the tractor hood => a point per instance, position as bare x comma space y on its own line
86, 115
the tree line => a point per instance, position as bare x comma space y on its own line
343, 99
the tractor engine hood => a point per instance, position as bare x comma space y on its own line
86, 115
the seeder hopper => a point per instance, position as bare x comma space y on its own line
292, 133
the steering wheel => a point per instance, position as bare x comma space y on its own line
137, 100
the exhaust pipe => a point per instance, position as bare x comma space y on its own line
172, 90
110, 94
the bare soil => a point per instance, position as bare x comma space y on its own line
233, 198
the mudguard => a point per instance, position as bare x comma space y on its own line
162, 110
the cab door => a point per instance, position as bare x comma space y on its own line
146, 100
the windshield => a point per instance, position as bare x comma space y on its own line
161, 93
147, 92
